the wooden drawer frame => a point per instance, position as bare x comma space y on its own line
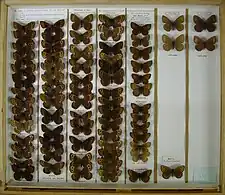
3, 37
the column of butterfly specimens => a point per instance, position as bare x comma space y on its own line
81, 104
171, 94
23, 100
140, 95
52, 155
204, 74
111, 91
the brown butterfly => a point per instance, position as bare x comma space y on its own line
49, 55
19, 82
168, 172
22, 115
136, 41
78, 144
52, 66
22, 55
106, 32
140, 109
141, 53
137, 128
81, 119
21, 126
56, 101
140, 137
21, 93
116, 153
24, 28
86, 53
113, 93
83, 173
53, 78
202, 43
172, 25
110, 68
24, 32
81, 37
141, 78
111, 104
170, 43
106, 124
53, 47
27, 103
110, 146
202, 24
107, 78
81, 81
110, 113
54, 168
111, 22
21, 164
109, 160
58, 24
85, 128
85, 66
143, 176
56, 154
138, 90
53, 36
84, 161
56, 116
78, 23
140, 29
112, 176
77, 101
113, 136
136, 117
52, 91
19, 174
140, 151
111, 49
137, 66
79, 91
110, 59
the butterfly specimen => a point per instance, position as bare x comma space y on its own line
52, 35
111, 49
85, 53
113, 136
137, 66
140, 137
78, 23
113, 124
172, 25
57, 24
110, 59
143, 176
170, 43
52, 91
138, 90
20, 164
56, 116
110, 147
114, 33
112, 112
77, 101
110, 68
78, 144
106, 176
141, 78
19, 174
53, 78
80, 91
140, 109
139, 128
56, 155
107, 78
85, 128
55, 101
84, 161
24, 32
201, 43
54, 168
85, 66
21, 126
84, 173
111, 93
115, 153
52, 46
81, 81
140, 151
136, 40
168, 172
141, 53
48, 55
202, 24
111, 104
111, 22
137, 117
80, 118
81, 37
140, 29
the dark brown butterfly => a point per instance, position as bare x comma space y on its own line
140, 137
111, 104
53, 36
21, 126
106, 32
137, 66
140, 151
106, 124
136, 40
202, 43
111, 49
51, 55
141, 53
168, 172
55, 117
81, 37
140, 29
112, 176
27, 103
110, 68
24, 52
172, 25
54, 168
138, 90
81, 81
85, 128
107, 78
136, 117
173, 43
21, 93
58, 24
140, 109
109, 160
81, 119
111, 93
143, 176
84, 161
83, 173
78, 23
110, 146
116, 153
110, 59
110, 113
85, 66
24, 28
85, 53
52, 66
202, 24
24, 32
84, 144
53, 46
52, 77
111, 22
141, 78
56, 101
22, 115
137, 128
56, 154
19, 174
21, 164
80, 91
77, 101
19, 82
51, 91
113, 136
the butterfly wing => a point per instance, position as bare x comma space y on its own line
178, 23
166, 171
76, 143
210, 43
199, 23
199, 43
167, 23
178, 171
87, 144
210, 23
87, 22
145, 175
168, 43
133, 175
179, 46
118, 77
